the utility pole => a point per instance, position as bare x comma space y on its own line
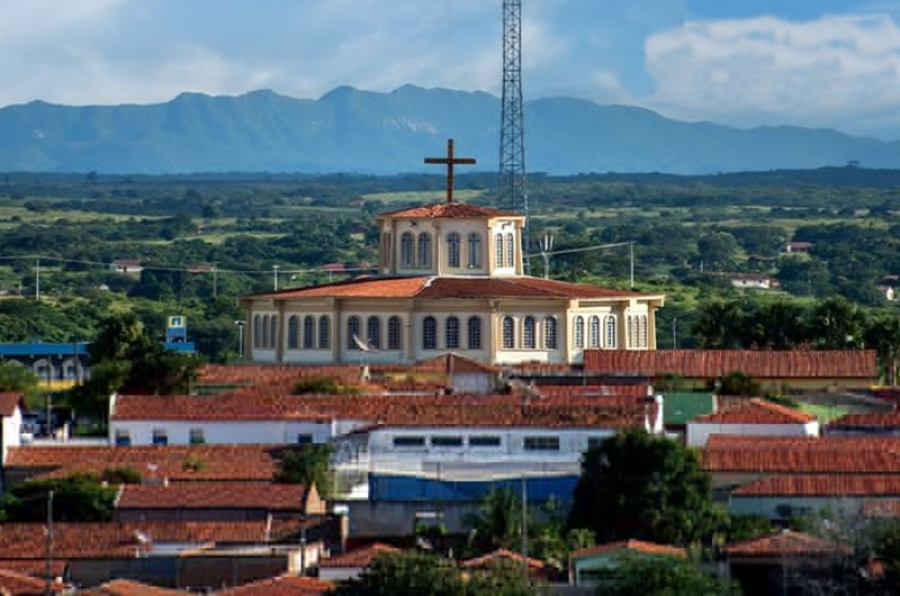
49, 587
511, 191
37, 279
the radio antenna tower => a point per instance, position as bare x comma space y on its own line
511, 191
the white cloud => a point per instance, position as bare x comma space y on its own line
835, 71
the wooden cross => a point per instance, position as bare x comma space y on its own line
450, 161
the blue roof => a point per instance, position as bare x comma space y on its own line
44, 349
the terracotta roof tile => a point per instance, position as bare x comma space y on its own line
785, 543
19, 584
797, 455
283, 585
822, 485
759, 364
868, 420
502, 554
213, 495
448, 210
360, 557
34, 567
127, 587
219, 462
9, 401
640, 546
757, 411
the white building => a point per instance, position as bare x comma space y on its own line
758, 417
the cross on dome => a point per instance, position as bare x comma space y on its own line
450, 161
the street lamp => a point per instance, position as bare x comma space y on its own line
241, 325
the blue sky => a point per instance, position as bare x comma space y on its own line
818, 63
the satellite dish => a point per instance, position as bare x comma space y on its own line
363, 345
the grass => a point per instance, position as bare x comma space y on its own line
825, 414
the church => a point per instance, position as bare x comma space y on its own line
450, 279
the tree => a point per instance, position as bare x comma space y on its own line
664, 576
308, 465
838, 324
637, 485
76, 498
498, 522
18, 378
719, 325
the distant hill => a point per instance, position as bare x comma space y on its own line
349, 130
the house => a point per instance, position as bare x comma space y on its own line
450, 278
775, 370
798, 247
282, 585
783, 496
12, 405
127, 587
866, 423
780, 563
756, 417
220, 501
13, 583
596, 565
537, 570
887, 290
754, 281
126, 266
351, 564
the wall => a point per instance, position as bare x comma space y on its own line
698, 433
221, 432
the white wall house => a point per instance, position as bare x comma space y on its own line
10, 421
757, 417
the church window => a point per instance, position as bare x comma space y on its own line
429, 333
594, 332
528, 332
353, 333
273, 331
629, 327
373, 332
474, 333
498, 246
609, 339
424, 250
451, 333
509, 333
406, 250
309, 332
453, 250
257, 331
265, 331
474, 250
394, 334
579, 332
642, 331
324, 332
293, 332
550, 337
510, 250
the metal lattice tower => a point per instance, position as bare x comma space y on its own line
511, 190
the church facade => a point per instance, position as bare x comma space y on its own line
450, 279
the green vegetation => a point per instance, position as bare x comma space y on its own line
664, 576
76, 498
308, 465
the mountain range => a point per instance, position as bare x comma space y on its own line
355, 131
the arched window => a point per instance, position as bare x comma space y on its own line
551, 341
353, 333
395, 337
309, 332
265, 332
373, 332
451, 333
257, 331
474, 333
406, 250
424, 250
498, 247
273, 331
629, 329
293, 332
510, 250
528, 329
429, 333
609, 338
509, 333
645, 338
594, 332
474, 250
453, 250
579, 332
324, 332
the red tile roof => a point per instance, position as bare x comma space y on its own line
759, 364
502, 555
9, 401
448, 210
127, 587
757, 411
871, 420
453, 287
19, 584
214, 495
797, 455
34, 567
125, 540
218, 462
822, 485
785, 543
360, 557
640, 546
452, 363
283, 585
